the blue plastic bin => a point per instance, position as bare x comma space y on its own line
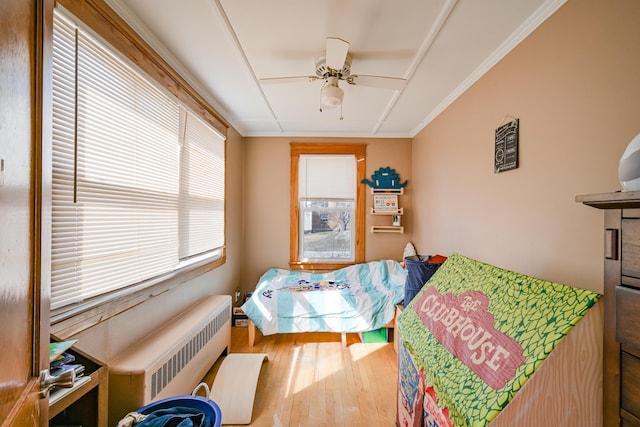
419, 271
202, 404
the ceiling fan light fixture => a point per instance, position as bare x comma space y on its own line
331, 95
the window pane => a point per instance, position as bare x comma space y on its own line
327, 230
327, 190
202, 194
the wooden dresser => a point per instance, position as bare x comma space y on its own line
621, 375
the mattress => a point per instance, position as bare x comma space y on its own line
356, 298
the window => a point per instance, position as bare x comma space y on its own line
327, 196
138, 179
327, 205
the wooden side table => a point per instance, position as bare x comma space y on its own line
86, 402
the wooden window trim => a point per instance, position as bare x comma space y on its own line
105, 22
296, 149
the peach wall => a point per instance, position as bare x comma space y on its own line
575, 86
266, 199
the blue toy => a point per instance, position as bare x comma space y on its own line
385, 178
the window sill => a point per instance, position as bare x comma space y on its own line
318, 266
91, 313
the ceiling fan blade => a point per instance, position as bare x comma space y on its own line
337, 50
393, 83
294, 79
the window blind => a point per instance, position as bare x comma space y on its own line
202, 195
324, 176
138, 181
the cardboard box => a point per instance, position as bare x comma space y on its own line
240, 320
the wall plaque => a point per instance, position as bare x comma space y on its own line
506, 155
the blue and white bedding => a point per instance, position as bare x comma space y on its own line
356, 298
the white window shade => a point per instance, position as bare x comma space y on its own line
327, 177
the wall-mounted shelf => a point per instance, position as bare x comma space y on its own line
398, 211
387, 190
387, 229
385, 202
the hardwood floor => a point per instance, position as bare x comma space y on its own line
311, 380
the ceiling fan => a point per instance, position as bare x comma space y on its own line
336, 66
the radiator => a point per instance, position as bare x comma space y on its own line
172, 360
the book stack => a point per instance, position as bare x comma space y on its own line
60, 360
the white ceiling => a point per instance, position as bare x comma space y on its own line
223, 47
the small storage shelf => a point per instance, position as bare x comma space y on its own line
390, 207
398, 191
398, 211
387, 229
86, 402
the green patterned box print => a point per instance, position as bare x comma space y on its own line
479, 332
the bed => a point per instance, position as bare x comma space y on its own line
357, 298
480, 345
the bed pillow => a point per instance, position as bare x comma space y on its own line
409, 250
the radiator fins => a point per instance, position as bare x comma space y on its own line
182, 357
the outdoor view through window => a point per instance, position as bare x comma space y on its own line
327, 193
